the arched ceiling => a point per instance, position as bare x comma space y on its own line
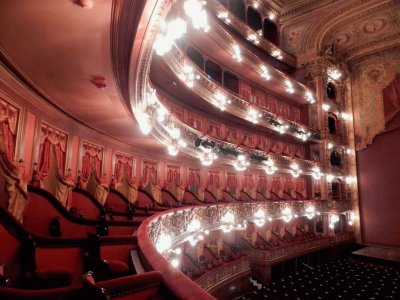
63, 52
73, 57
356, 28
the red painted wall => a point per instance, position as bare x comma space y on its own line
379, 190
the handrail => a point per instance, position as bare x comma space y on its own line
182, 286
90, 197
61, 209
176, 59
242, 28
175, 222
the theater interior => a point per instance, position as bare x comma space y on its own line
199, 149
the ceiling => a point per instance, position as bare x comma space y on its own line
64, 50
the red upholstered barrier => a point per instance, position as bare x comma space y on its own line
40, 212
144, 200
121, 230
136, 287
117, 203
67, 293
169, 199
261, 197
209, 197
190, 199
227, 196
10, 254
176, 282
245, 197
114, 248
68, 258
85, 205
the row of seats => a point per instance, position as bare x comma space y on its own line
34, 267
276, 241
343, 279
194, 268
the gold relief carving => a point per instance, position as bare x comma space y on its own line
10, 113
375, 26
371, 74
124, 158
374, 73
93, 150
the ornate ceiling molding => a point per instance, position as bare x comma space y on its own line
125, 17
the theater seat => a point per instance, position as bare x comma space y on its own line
118, 268
102, 269
50, 279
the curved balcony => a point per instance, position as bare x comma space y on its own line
212, 92
162, 131
220, 39
248, 33
160, 235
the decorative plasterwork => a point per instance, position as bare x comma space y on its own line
353, 27
370, 75
362, 31
246, 31
125, 17
208, 90
211, 217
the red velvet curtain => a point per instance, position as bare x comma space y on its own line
119, 169
262, 182
173, 177
288, 184
85, 166
45, 157
149, 174
118, 174
9, 139
128, 171
91, 162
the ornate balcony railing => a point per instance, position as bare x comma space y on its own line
278, 78
217, 276
218, 9
209, 91
175, 224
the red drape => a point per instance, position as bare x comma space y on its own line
173, 176
9, 139
118, 171
91, 162
45, 157
85, 166
149, 174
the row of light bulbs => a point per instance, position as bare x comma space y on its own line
176, 28
253, 115
172, 32
164, 243
208, 155
253, 36
345, 116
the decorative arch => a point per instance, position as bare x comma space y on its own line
270, 31
238, 8
254, 19
337, 189
331, 91
195, 56
213, 70
332, 123
335, 158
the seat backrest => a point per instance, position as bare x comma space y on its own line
10, 254
115, 200
85, 204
